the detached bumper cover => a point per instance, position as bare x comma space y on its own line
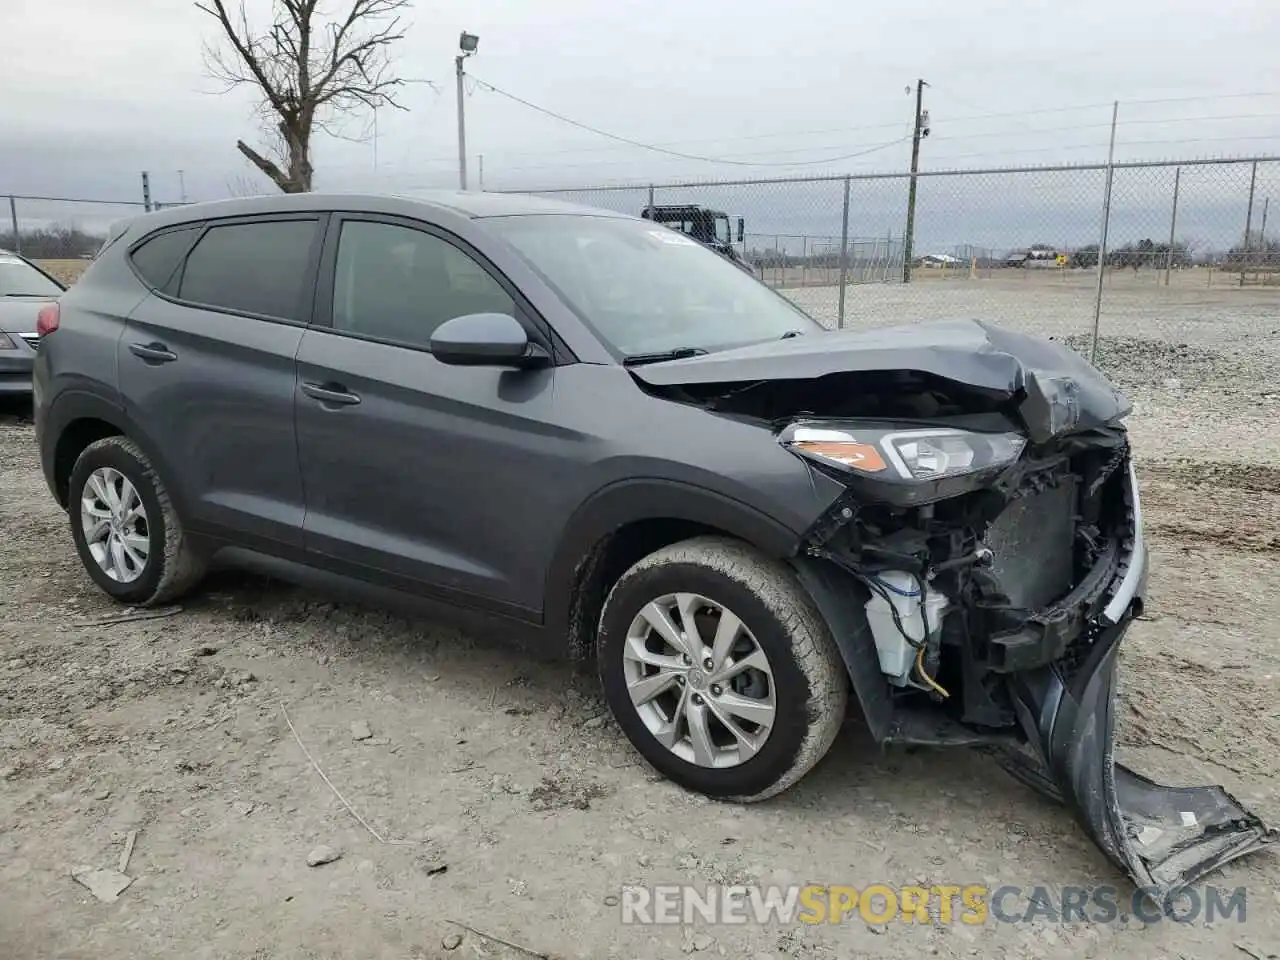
1163, 837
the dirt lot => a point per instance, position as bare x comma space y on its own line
502, 768
68, 271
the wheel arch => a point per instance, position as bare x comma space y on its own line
628, 520
78, 419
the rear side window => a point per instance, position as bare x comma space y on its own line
252, 268
157, 259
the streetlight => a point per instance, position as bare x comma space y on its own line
467, 43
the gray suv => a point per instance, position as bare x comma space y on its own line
593, 431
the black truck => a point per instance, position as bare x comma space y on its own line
709, 227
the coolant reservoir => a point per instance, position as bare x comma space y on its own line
919, 612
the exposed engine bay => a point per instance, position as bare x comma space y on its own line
1004, 578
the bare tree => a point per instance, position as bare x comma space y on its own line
310, 70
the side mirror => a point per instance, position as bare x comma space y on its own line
742, 229
486, 340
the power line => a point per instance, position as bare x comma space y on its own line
1097, 145
661, 146
675, 153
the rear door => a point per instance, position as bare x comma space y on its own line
207, 367
417, 472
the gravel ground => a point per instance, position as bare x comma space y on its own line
504, 799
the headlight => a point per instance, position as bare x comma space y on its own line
912, 458
6, 343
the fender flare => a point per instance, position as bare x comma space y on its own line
73, 405
648, 498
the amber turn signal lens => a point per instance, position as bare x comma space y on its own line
859, 456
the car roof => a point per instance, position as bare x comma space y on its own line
468, 204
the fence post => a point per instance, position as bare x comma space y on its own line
804, 260
1173, 224
844, 255
1106, 225
13, 217
651, 199
146, 191
1248, 222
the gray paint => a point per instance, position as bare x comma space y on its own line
1057, 390
466, 480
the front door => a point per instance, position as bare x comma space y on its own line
419, 474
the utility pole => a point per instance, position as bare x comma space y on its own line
481, 178
920, 130
1266, 253
1173, 224
182, 186
13, 218
462, 127
1106, 229
467, 43
1248, 222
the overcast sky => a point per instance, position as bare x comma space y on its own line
96, 90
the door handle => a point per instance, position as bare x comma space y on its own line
152, 352
331, 393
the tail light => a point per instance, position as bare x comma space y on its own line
47, 319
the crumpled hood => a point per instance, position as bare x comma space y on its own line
1055, 389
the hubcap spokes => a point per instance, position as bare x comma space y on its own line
114, 521
699, 680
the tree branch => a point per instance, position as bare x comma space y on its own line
278, 177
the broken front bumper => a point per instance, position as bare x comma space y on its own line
1163, 837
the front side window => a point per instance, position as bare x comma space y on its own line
258, 268
644, 289
397, 283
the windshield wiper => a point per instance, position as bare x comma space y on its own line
791, 333
678, 353
29, 294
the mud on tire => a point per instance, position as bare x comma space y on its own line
172, 566
810, 685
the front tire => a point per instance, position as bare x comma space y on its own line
720, 670
126, 530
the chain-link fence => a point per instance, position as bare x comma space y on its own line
63, 232
1173, 250
1163, 249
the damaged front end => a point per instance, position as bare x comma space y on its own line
995, 616
984, 565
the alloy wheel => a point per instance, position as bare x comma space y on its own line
114, 520
699, 680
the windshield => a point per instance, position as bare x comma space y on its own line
722, 230
19, 278
645, 289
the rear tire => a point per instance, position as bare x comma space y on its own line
125, 527
720, 738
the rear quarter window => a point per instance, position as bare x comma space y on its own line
258, 268
158, 258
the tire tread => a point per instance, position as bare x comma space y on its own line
780, 591
180, 566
